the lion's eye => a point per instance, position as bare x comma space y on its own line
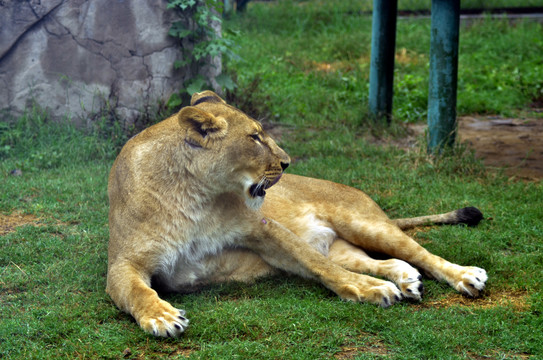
255, 137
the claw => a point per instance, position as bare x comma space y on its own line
385, 303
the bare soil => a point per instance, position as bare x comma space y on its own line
516, 145
8, 223
517, 300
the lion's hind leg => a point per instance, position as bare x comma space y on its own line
387, 238
352, 258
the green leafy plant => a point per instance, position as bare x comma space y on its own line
200, 41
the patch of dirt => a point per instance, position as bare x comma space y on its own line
516, 145
351, 352
374, 346
402, 56
8, 223
498, 354
515, 299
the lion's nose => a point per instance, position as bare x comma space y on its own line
284, 165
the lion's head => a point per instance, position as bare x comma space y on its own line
241, 156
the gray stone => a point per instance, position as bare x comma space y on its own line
75, 57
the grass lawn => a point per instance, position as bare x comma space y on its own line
303, 68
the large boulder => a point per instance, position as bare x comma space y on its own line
77, 57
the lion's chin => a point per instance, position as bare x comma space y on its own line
255, 202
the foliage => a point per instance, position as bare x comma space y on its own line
199, 42
39, 143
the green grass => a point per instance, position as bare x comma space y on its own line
52, 271
287, 48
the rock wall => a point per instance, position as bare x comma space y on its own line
75, 57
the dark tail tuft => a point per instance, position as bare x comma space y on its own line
469, 215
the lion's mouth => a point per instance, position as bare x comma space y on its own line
259, 189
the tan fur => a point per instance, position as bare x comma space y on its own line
187, 208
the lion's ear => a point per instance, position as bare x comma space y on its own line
206, 96
201, 127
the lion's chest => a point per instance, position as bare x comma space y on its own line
183, 258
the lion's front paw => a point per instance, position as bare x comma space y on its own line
164, 320
379, 292
471, 280
386, 295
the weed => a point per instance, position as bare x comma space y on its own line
39, 143
200, 41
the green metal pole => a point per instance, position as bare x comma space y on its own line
383, 42
443, 74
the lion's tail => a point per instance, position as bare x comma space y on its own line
468, 215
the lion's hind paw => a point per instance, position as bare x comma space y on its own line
473, 281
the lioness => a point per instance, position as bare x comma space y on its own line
196, 199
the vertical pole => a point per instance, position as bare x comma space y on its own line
227, 6
383, 42
443, 74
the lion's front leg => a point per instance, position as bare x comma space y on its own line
281, 248
130, 289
